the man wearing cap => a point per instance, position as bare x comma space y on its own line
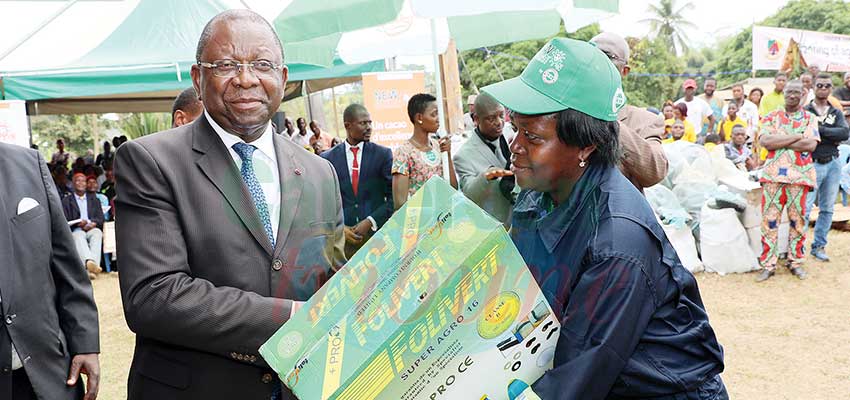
87, 231
644, 162
468, 123
632, 321
698, 109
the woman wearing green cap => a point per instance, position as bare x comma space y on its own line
633, 323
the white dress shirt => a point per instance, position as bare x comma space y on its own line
349, 157
303, 141
83, 205
265, 165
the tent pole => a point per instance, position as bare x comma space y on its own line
438, 81
37, 29
336, 116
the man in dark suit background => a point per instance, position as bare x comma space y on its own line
88, 232
223, 226
49, 332
363, 169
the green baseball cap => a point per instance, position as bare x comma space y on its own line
564, 74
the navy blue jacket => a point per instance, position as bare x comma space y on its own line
633, 323
375, 190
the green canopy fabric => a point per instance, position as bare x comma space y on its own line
152, 79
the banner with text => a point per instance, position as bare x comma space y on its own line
385, 95
774, 49
14, 125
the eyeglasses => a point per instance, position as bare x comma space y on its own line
823, 85
230, 68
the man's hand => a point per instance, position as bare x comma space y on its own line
751, 163
91, 225
363, 228
351, 236
82, 224
496, 174
87, 364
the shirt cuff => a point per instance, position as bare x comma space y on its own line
374, 224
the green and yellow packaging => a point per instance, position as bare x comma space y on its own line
437, 305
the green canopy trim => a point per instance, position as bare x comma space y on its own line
146, 79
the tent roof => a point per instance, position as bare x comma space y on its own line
149, 89
124, 55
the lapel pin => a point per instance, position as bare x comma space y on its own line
297, 171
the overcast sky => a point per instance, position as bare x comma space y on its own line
714, 18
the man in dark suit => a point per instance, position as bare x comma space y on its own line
49, 332
88, 231
363, 169
222, 226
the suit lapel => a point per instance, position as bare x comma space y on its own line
339, 159
486, 153
217, 164
291, 186
7, 275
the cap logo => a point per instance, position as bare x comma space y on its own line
551, 56
549, 76
618, 101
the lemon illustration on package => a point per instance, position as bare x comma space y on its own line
435, 299
499, 314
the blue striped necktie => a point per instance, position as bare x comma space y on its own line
245, 152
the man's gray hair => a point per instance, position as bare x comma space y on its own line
233, 15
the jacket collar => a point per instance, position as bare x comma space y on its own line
532, 210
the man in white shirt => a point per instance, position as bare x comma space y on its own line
302, 137
365, 179
698, 109
87, 232
747, 110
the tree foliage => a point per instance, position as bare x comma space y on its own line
76, 130
652, 56
667, 23
137, 125
481, 67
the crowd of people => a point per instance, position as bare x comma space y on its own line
86, 189
790, 136
228, 224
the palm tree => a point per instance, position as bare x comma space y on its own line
668, 23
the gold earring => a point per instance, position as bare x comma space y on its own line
420, 122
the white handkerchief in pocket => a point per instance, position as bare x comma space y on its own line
26, 204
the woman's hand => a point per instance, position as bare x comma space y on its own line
446, 144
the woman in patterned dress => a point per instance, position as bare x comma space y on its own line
419, 158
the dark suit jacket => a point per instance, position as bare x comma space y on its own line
72, 210
375, 189
44, 287
202, 285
